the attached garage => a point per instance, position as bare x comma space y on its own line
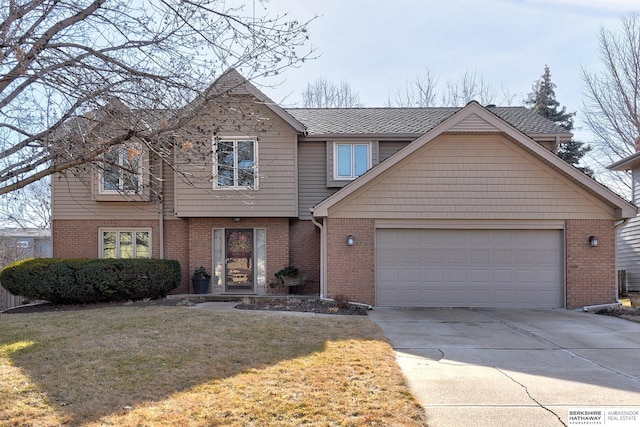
473, 213
469, 268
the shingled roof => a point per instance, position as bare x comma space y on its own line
411, 122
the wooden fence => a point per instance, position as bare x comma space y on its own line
8, 300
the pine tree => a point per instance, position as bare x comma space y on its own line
543, 101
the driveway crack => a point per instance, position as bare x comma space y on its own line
529, 394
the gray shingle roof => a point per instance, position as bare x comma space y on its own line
408, 121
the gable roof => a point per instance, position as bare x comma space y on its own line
628, 163
232, 82
412, 122
456, 123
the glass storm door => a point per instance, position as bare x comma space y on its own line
239, 261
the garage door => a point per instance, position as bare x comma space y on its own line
469, 268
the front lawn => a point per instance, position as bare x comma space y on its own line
154, 366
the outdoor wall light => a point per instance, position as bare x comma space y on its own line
593, 241
350, 240
236, 219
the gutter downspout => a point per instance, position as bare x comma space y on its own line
323, 260
161, 210
618, 303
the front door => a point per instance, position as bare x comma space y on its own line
239, 261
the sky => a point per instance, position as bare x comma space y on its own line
377, 46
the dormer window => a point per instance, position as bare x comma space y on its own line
235, 163
351, 160
122, 170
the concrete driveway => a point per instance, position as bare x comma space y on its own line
490, 367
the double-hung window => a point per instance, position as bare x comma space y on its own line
121, 170
118, 243
235, 163
351, 160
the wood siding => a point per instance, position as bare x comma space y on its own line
472, 177
276, 195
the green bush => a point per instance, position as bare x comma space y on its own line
73, 281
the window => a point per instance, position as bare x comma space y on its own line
351, 160
122, 170
125, 243
235, 163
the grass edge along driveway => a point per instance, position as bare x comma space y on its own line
155, 366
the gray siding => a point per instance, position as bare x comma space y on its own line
628, 247
389, 148
312, 176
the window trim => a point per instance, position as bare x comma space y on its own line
337, 177
141, 167
119, 230
235, 140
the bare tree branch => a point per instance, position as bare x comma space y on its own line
612, 97
63, 62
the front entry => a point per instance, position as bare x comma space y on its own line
239, 261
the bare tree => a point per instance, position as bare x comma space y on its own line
467, 88
612, 96
324, 94
422, 91
28, 207
419, 92
77, 75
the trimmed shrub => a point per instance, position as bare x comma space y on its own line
73, 281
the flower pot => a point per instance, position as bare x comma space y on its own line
200, 286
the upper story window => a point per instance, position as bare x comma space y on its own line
351, 160
121, 170
115, 243
235, 163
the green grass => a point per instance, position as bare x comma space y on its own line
156, 366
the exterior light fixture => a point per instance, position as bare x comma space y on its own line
350, 240
236, 219
593, 241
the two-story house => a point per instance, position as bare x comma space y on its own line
387, 206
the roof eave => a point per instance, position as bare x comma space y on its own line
626, 164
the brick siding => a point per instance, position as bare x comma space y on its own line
351, 269
304, 253
187, 241
591, 272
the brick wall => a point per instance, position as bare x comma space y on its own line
304, 252
187, 241
176, 246
591, 272
351, 269
200, 241
79, 238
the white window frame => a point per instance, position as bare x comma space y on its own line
122, 151
235, 141
102, 231
352, 175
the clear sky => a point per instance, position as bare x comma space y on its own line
376, 45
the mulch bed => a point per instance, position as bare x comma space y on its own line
303, 305
275, 304
629, 313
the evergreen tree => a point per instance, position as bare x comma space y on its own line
543, 101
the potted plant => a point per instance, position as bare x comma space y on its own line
200, 280
289, 276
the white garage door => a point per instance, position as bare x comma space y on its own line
469, 268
